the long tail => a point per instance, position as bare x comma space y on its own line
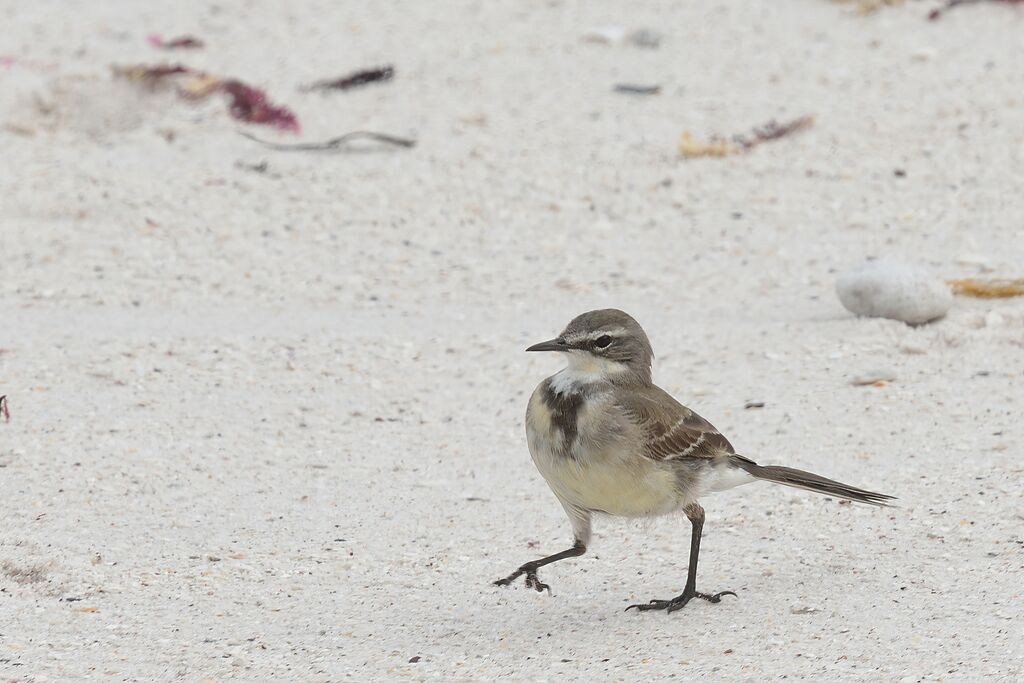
809, 481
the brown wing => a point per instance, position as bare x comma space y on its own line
671, 430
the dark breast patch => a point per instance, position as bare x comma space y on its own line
565, 410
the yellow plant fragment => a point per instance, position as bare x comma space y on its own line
689, 147
987, 289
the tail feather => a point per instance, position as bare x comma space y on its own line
810, 482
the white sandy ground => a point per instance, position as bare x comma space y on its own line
268, 426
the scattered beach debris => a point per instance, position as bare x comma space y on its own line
4, 410
866, 7
987, 289
738, 144
179, 43
251, 105
261, 168
803, 610
913, 349
979, 261
750, 405
247, 103
617, 35
877, 377
951, 4
10, 61
886, 288
149, 75
354, 80
645, 38
631, 89
690, 147
334, 143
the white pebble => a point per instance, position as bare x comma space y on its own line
891, 289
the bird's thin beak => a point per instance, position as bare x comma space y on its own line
551, 345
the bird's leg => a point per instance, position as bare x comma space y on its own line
695, 513
530, 568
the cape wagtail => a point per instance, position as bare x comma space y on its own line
606, 439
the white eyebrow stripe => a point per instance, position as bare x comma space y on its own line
617, 332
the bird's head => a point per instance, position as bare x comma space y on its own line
606, 343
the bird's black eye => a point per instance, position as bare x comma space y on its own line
603, 341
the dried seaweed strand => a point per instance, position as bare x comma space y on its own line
773, 131
738, 144
951, 4
987, 289
247, 103
150, 74
333, 143
354, 80
4, 410
179, 43
633, 89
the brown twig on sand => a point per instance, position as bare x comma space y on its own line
738, 144
4, 410
149, 75
987, 289
633, 89
950, 4
334, 143
179, 43
354, 80
773, 131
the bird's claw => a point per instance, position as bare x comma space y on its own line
531, 580
679, 601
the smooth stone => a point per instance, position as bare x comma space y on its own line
895, 290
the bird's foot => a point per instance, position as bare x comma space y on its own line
679, 601
531, 579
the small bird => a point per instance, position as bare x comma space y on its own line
607, 440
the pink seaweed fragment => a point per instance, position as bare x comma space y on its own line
251, 105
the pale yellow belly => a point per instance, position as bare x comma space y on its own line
606, 483
599, 477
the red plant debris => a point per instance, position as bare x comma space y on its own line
4, 410
179, 43
247, 103
10, 61
951, 4
251, 105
